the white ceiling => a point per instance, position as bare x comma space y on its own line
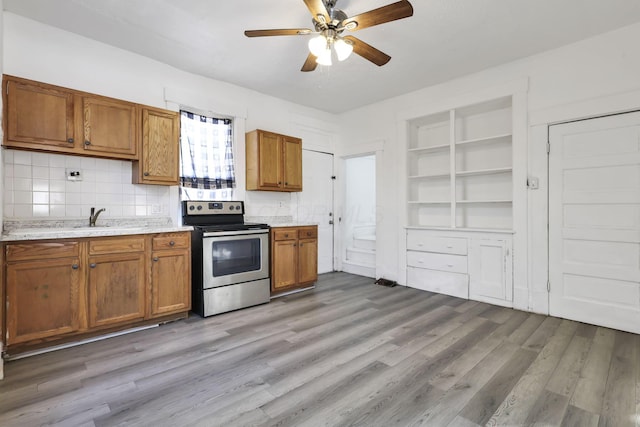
444, 39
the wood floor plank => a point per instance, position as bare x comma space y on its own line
347, 352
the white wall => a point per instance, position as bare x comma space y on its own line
43, 53
560, 83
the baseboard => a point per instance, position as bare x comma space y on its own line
360, 270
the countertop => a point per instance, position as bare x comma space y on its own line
65, 229
293, 224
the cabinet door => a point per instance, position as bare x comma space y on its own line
490, 269
284, 261
39, 114
307, 261
170, 282
269, 161
109, 127
160, 143
42, 299
292, 164
116, 288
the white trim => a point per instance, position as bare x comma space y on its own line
362, 149
520, 85
205, 104
587, 108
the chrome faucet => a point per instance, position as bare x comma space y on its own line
94, 216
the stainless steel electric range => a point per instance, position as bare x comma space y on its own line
230, 258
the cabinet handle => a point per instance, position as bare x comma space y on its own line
300, 244
279, 182
146, 174
87, 143
75, 266
286, 235
92, 265
172, 243
449, 265
286, 183
294, 245
155, 259
70, 140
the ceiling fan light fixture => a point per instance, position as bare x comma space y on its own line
318, 45
325, 57
343, 49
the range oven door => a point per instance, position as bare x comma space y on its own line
234, 257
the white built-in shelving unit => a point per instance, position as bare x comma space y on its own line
465, 195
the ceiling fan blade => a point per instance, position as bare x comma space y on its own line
388, 13
310, 63
368, 52
281, 32
317, 7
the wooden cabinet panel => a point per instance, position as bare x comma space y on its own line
307, 261
42, 299
294, 257
269, 161
159, 156
292, 164
42, 250
38, 114
116, 289
285, 265
170, 282
171, 241
119, 244
109, 126
274, 161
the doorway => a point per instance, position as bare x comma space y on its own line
315, 202
594, 221
359, 216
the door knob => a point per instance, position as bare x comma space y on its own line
330, 222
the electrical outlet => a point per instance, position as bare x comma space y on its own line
73, 174
156, 209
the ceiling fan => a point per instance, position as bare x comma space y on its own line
330, 23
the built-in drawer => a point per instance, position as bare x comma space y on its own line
442, 282
171, 241
433, 261
307, 232
420, 240
43, 250
289, 233
116, 245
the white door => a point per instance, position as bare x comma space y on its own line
594, 221
315, 202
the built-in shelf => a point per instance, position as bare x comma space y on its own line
487, 139
440, 147
431, 176
473, 189
484, 171
471, 202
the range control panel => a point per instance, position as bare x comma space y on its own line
204, 207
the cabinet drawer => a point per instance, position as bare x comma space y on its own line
116, 245
27, 251
442, 282
171, 241
433, 261
307, 232
418, 240
285, 233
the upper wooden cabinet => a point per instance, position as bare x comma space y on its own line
39, 116
274, 161
109, 127
159, 155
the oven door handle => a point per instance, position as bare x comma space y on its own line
234, 233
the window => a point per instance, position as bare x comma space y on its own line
206, 157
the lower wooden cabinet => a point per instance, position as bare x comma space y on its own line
60, 289
42, 299
170, 274
294, 258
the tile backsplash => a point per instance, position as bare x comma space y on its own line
36, 185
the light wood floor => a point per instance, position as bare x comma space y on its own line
347, 353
